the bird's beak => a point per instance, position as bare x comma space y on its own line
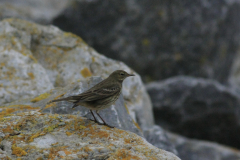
131, 75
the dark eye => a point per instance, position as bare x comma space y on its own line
122, 74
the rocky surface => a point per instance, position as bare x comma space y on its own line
62, 58
197, 108
202, 150
159, 138
43, 11
34, 135
160, 39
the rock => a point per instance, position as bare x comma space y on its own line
160, 39
189, 149
79, 138
38, 11
66, 58
21, 76
197, 108
158, 137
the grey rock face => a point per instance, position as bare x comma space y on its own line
160, 39
202, 150
59, 58
159, 138
197, 108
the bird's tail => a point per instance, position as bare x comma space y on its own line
69, 99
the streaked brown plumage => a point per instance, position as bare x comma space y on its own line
100, 96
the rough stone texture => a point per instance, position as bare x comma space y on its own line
66, 59
197, 108
32, 135
42, 11
163, 38
20, 74
201, 150
158, 137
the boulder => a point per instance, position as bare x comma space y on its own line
160, 39
59, 59
190, 149
34, 135
197, 108
159, 138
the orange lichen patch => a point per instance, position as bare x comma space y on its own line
126, 108
40, 97
31, 75
31, 138
8, 129
33, 58
54, 151
136, 124
13, 108
93, 59
19, 152
69, 133
92, 132
86, 72
2, 64
123, 154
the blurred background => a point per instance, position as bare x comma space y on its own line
187, 53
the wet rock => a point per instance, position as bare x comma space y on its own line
197, 108
78, 139
160, 39
189, 149
64, 58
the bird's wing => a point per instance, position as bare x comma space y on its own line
98, 93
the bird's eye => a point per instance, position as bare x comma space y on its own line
122, 73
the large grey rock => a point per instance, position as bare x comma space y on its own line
197, 108
53, 136
159, 138
189, 149
160, 39
42, 11
65, 58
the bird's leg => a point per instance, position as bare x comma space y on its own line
104, 121
95, 119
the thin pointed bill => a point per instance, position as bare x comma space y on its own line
131, 75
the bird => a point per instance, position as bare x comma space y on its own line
100, 96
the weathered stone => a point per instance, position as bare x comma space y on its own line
66, 59
20, 74
189, 149
197, 108
42, 11
79, 138
160, 39
158, 137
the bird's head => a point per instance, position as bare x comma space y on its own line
120, 75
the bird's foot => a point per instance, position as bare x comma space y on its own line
108, 125
101, 123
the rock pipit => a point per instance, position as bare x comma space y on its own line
100, 96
